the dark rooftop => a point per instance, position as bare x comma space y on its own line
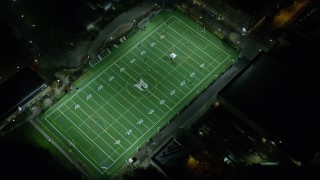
18, 89
281, 102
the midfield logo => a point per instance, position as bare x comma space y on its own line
141, 85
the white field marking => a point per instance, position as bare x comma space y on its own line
185, 61
126, 99
214, 58
195, 45
169, 73
100, 87
210, 64
132, 61
66, 139
176, 67
129, 132
95, 112
114, 151
165, 53
111, 115
89, 96
118, 112
111, 78
110, 155
149, 100
128, 111
168, 112
159, 119
174, 106
165, 70
92, 131
77, 106
108, 66
179, 63
158, 81
173, 92
179, 88
199, 34
142, 53
124, 152
140, 121
87, 85
154, 62
151, 111
89, 117
152, 44
175, 45
105, 130
132, 115
167, 89
138, 100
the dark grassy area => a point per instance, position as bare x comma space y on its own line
22, 158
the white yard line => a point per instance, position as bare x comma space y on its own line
132, 105
75, 147
89, 117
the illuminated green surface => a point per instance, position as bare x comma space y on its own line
102, 123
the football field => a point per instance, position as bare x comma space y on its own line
137, 89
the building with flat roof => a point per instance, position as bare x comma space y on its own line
279, 104
18, 92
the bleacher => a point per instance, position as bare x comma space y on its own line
99, 57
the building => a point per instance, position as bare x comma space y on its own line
19, 92
243, 14
278, 103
